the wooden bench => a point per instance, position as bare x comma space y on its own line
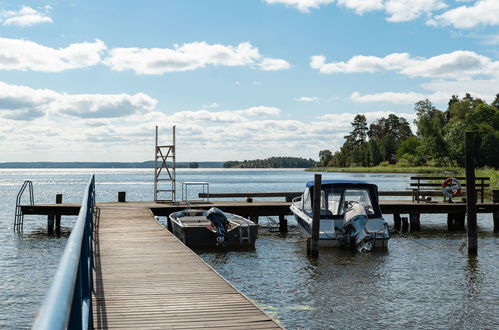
431, 186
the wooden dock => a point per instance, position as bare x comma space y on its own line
146, 278
256, 209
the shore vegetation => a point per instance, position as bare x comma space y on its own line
437, 145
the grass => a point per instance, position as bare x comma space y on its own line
493, 174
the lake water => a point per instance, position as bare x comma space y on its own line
424, 281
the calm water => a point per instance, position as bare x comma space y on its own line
424, 281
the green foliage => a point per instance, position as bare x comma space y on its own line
408, 146
439, 140
325, 156
359, 133
407, 160
272, 162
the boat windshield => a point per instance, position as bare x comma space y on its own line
335, 201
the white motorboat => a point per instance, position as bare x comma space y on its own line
350, 215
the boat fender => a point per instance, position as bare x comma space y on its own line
451, 187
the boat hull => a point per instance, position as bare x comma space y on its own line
202, 235
328, 236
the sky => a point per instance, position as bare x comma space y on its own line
90, 80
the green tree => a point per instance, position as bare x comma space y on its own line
495, 103
375, 156
358, 135
408, 146
430, 123
325, 156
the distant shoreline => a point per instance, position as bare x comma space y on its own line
146, 164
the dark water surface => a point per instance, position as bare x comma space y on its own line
424, 281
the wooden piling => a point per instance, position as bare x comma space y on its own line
58, 200
415, 221
495, 196
405, 224
397, 222
50, 224
496, 221
283, 224
254, 218
122, 196
313, 250
471, 193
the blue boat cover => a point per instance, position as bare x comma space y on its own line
325, 182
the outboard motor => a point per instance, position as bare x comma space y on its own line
220, 223
355, 227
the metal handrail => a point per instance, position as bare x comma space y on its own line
19, 216
68, 303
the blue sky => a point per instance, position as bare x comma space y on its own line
89, 80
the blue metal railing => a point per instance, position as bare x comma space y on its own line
68, 303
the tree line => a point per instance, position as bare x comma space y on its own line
439, 139
272, 162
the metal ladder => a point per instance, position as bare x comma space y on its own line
244, 233
19, 216
164, 171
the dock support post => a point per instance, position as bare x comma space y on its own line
254, 218
58, 200
313, 247
283, 224
496, 221
451, 226
405, 224
469, 142
397, 222
455, 221
121, 196
495, 196
50, 224
415, 222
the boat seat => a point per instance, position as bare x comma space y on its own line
195, 220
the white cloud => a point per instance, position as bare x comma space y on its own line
273, 64
457, 65
25, 17
302, 5
491, 40
211, 105
361, 6
486, 89
390, 97
307, 99
25, 55
342, 122
440, 92
409, 10
189, 56
483, 12
25, 103
224, 116
16, 54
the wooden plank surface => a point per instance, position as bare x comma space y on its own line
267, 208
146, 279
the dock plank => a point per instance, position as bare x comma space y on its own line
147, 279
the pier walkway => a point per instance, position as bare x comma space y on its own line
146, 278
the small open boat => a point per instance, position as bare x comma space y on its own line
213, 228
350, 215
